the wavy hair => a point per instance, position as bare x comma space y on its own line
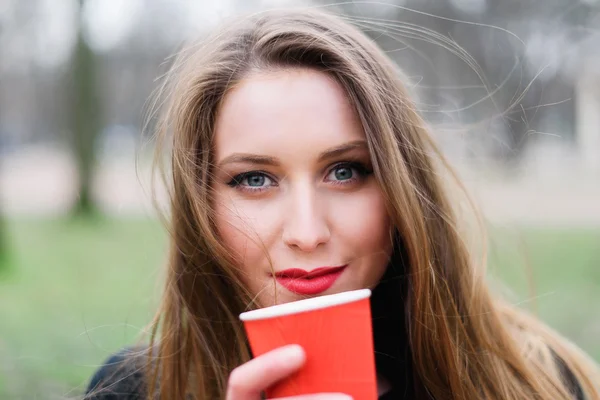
464, 342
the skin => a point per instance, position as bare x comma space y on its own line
293, 188
249, 380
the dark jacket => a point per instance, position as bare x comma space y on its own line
121, 378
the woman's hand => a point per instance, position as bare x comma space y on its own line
249, 380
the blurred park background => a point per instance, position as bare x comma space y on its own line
510, 88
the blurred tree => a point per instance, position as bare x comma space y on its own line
86, 117
3, 245
522, 102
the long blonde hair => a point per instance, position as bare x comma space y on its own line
465, 344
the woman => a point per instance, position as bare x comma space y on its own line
295, 145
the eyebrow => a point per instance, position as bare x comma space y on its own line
342, 149
272, 161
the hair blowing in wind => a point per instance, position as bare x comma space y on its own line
465, 342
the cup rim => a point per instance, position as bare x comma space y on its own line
298, 306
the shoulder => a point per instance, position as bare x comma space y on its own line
121, 377
569, 378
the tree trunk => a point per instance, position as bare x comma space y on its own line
86, 121
4, 252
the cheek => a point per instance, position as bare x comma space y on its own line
363, 222
243, 230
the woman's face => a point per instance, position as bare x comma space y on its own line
294, 188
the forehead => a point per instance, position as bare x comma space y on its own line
285, 112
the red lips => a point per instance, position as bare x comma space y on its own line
304, 282
302, 274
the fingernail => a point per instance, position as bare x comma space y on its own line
295, 352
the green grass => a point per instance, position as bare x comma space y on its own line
554, 273
76, 291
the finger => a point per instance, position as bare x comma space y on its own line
319, 396
250, 379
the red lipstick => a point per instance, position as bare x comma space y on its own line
309, 282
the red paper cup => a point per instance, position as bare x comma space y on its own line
336, 334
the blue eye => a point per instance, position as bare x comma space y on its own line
251, 181
255, 180
342, 173
347, 172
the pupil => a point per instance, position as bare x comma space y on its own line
343, 173
256, 180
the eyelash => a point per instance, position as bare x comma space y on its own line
236, 181
359, 167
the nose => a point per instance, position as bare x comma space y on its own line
306, 226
